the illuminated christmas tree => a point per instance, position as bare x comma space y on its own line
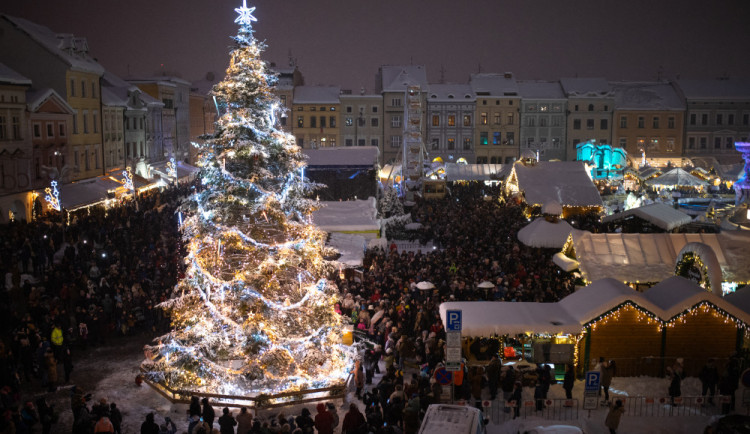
254, 313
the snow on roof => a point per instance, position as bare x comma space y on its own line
586, 87
677, 294
732, 88
567, 182
164, 80
347, 216
36, 97
659, 214
351, 156
72, 50
350, 246
600, 297
652, 257
541, 233
317, 94
476, 172
111, 97
676, 176
646, 96
731, 172
740, 298
9, 76
494, 84
540, 90
450, 93
395, 78
486, 318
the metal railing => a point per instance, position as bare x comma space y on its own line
553, 409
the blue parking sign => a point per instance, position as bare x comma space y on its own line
592, 380
453, 318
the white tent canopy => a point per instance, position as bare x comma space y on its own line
476, 172
541, 233
677, 177
658, 214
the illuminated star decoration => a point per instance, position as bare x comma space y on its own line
53, 196
172, 168
246, 17
127, 181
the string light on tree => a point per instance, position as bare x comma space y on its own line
254, 313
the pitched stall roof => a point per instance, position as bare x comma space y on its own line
664, 301
677, 176
541, 233
658, 214
566, 182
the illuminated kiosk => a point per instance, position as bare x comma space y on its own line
742, 186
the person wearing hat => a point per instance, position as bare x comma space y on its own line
613, 417
354, 420
323, 420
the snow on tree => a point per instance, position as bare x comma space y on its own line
389, 204
254, 313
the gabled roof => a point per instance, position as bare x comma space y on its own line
677, 176
566, 182
35, 98
494, 85
541, 233
646, 96
717, 89
540, 90
602, 296
455, 93
740, 298
658, 214
9, 76
396, 78
112, 98
72, 50
678, 294
586, 87
317, 94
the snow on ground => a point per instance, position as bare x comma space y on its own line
109, 372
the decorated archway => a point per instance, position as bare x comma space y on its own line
698, 262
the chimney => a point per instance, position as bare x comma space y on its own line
65, 41
508, 75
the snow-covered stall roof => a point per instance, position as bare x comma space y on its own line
600, 297
347, 216
740, 298
677, 176
677, 294
652, 257
566, 182
350, 246
486, 318
659, 214
476, 172
541, 233
351, 156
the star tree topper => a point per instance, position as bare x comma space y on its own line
246, 17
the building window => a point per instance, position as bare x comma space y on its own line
623, 142
72, 87
395, 121
435, 120
543, 121
395, 141
374, 109
451, 143
85, 122
589, 124
396, 102
510, 138
348, 142
483, 138
361, 142
313, 122
544, 108
730, 119
670, 122
3, 128
603, 124
467, 120
531, 121
374, 122
451, 120
641, 122
300, 142
349, 121
361, 120
510, 118
75, 124
435, 144
655, 122
483, 118
623, 121
467, 143
704, 142
556, 142
670, 144
693, 118
37, 130
83, 95
576, 124
95, 121
374, 142
591, 107
704, 119
745, 119
729, 142
322, 122
557, 121
497, 118
86, 160
93, 90
691, 142
497, 138
300, 121
50, 130
719, 119
717, 142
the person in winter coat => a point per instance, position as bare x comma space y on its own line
508, 383
195, 407
226, 422
709, 377
332, 409
323, 420
244, 421
104, 425
476, 380
47, 415
305, 422
613, 417
149, 426
353, 420
115, 417
208, 414
608, 371
675, 381
569, 381
516, 396
51, 366
493, 375
359, 377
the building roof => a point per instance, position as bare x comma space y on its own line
545, 234
454, 93
677, 176
36, 97
658, 214
476, 172
678, 294
396, 78
540, 90
72, 50
565, 182
165, 80
586, 87
646, 96
494, 84
112, 98
9, 76
716, 89
317, 94
351, 156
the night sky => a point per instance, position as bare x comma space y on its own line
342, 42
